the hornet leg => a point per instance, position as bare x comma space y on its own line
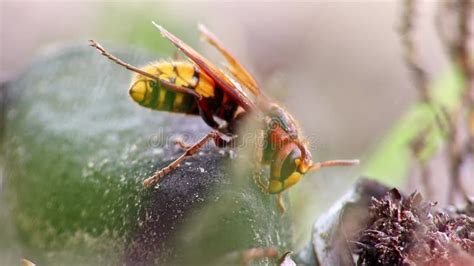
280, 204
181, 143
218, 140
196, 147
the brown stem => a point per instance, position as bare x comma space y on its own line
426, 179
467, 68
466, 63
458, 50
421, 82
456, 159
419, 75
411, 56
417, 146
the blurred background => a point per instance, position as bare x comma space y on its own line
336, 65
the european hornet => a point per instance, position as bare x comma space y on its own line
198, 87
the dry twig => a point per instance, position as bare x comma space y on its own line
421, 82
459, 53
450, 122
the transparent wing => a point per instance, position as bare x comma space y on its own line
237, 70
210, 69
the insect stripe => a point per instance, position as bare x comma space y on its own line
178, 102
186, 75
155, 90
196, 76
174, 71
165, 68
159, 105
205, 87
174, 75
145, 94
189, 103
169, 100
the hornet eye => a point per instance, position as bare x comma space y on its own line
289, 164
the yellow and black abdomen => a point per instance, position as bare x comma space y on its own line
151, 94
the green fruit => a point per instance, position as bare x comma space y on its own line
76, 150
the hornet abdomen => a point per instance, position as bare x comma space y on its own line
151, 94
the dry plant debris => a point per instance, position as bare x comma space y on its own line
409, 231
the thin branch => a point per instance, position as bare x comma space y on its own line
412, 60
421, 82
411, 56
466, 16
456, 159
458, 51
418, 146
466, 64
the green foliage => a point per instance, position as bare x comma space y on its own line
392, 158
